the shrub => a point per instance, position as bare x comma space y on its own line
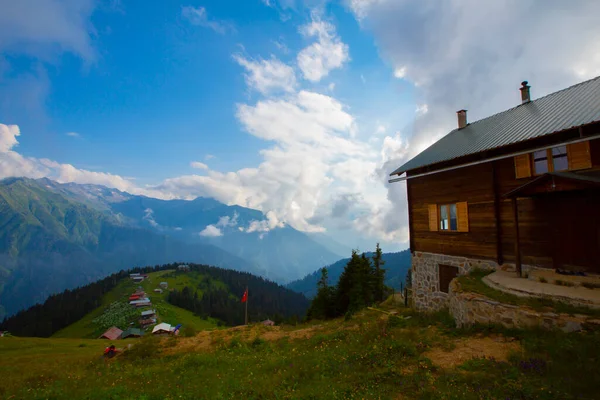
188, 331
542, 279
147, 347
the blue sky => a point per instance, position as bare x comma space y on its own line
161, 92
299, 108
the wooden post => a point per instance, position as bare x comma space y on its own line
246, 319
517, 244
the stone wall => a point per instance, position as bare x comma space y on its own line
425, 277
470, 308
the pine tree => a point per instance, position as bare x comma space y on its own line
379, 272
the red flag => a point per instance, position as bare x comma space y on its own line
245, 296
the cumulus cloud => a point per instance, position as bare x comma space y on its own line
211, 231
455, 62
267, 76
198, 16
265, 225
324, 55
198, 165
8, 137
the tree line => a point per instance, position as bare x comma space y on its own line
361, 284
63, 309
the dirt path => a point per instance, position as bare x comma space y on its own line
466, 349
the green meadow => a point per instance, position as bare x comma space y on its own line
370, 355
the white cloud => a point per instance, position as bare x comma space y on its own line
8, 137
324, 55
400, 72
73, 134
211, 231
421, 109
198, 16
44, 27
148, 216
209, 157
331, 87
454, 63
267, 76
227, 221
198, 165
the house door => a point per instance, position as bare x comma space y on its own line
575, 221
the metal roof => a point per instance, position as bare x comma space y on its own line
568, 108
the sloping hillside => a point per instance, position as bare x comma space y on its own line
166, 312
200, 297
396, 265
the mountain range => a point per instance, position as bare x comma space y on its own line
57, 236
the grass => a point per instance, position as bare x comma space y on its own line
86, 328
473, 283
367, 357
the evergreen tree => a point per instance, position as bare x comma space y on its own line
379, 272
323, 305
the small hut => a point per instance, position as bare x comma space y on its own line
164, 285
132, 333
268, 322
112, 333
162, 329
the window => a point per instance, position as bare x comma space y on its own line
540, 162
446, 274
448, 220
560, 161
449, 217
572, 157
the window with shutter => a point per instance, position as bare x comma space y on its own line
433, 217
522, 166
579, 155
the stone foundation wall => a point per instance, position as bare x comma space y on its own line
470, 308
425, 277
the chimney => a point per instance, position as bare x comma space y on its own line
525, 95
462, 118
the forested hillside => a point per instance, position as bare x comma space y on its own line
218, 290
396, 266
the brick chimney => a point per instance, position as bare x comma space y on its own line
525, 94
462, 118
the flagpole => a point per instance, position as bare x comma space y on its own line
246, 305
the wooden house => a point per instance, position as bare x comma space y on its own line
519, 188
112, 333
132, 333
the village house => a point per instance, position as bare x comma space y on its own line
112, 333
164, 285
518, 189
268, 322
132, 333
141, 302
162, 329
144, 323
148, 314
158, 290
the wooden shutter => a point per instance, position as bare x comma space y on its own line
579, 155
522, 166
433, 218
462, 216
